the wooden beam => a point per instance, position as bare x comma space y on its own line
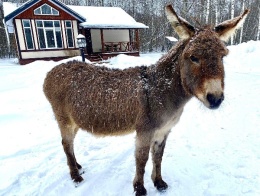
102, 39
137, 39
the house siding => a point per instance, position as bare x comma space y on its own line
75, 31
49, 54
116, 35
96, 40
36, 45
63, 34
20, 34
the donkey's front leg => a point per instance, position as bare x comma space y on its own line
142, 148
68, 133
158, 145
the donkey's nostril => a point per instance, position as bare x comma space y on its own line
214, 100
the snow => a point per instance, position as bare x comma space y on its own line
9, 8
172, 39
208, 153
106, 17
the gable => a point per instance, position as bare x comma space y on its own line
46, 9
38, 8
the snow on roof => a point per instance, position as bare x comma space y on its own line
106, 17
172, 39
9, 8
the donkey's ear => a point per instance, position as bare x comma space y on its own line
184, 29
228, 28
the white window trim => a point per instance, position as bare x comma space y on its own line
45, 37
71, 33
25, 34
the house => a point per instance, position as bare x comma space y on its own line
170, 41
47, 30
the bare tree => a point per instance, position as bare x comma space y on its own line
241, 30
258, 31
232, 16
207, 11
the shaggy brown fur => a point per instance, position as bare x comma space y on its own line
149, 100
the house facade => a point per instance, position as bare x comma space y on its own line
47, 30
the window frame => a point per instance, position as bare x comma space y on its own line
24, 33
41, 13
54, 29
72, 33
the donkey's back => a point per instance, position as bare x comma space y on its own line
97, 99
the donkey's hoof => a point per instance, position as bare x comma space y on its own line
139, 189
77, 180
160, 185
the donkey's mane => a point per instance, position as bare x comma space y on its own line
173, 54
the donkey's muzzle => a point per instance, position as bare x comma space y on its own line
215, 100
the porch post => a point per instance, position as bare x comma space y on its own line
102, 39
137, 39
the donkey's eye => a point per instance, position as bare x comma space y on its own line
194, 59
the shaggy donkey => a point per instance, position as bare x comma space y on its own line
149, 100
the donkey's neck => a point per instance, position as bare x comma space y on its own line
172, 57
165, 75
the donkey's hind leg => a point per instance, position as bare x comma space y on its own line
157, 154
142, 149
68, 131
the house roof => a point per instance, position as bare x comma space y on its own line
172, 39
106, 17
30, 3
88, 16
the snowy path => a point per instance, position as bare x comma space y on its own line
208, 153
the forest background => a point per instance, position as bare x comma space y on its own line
151, 13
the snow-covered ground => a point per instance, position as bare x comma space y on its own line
208, 153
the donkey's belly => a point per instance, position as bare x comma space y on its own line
102, 121
101, 126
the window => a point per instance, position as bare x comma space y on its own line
46, 10
69, 34
49, 34
28, 34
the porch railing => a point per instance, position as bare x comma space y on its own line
119, 46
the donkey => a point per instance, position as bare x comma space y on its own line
147, 99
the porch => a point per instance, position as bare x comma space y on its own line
109, 47
106, 43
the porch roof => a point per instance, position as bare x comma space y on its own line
106, 18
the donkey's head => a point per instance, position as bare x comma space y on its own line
202, 70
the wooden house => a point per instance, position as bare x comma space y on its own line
47, 30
